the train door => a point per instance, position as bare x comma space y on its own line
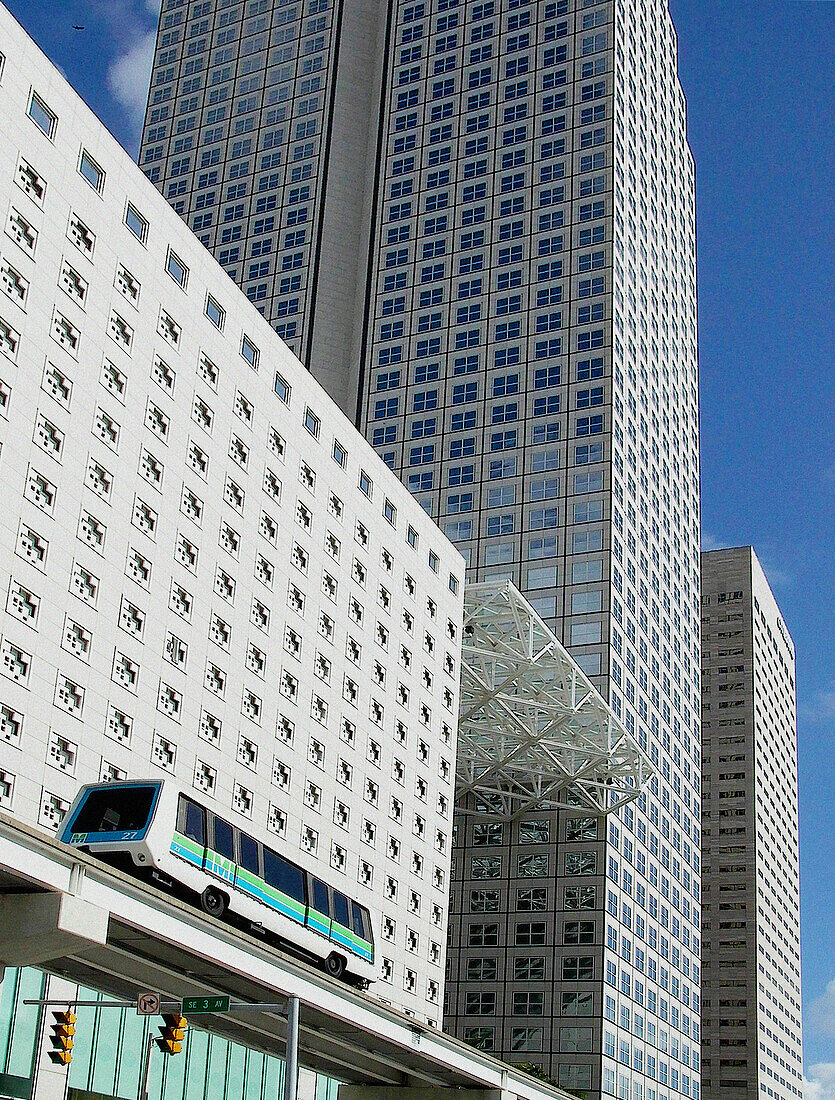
190, 837
363, 936
249, 873
319, 906
220, 849
341, 921
287, 881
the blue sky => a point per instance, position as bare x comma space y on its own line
761, 95
761, 110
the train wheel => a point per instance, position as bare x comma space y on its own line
213, 902
335, 965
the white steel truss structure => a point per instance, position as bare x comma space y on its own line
533, 731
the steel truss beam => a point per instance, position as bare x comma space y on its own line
533, 731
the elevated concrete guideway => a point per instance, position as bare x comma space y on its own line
71, 915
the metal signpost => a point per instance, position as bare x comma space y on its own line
291, 1050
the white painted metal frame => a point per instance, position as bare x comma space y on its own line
533, 731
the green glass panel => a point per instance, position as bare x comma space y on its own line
106, 1050
235, 1073
109, 1051
274, 1079
179, 1067
254, 1079
21, 1049
326, 1088
8, 999
132, 1050
199, 1078
81, 1066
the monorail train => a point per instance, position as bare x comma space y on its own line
153, 826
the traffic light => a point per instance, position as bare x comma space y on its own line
172, 1033
61, 1038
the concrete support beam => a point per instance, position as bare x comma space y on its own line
385, 1092
35, 928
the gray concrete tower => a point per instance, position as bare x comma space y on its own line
752, 1040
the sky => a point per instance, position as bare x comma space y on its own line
759, 77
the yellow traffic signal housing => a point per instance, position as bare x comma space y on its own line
172, 1034
63, 1030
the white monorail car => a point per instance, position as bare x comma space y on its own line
153, 826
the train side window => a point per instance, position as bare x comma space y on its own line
283, 875
340, 909
356, 916
224, 839
249, 854
366, 917
192, 821
321, 902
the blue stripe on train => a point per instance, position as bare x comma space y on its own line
177, 849
311, 922
318, 924
273, 903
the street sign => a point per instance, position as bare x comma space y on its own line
147, 1004
195, 1005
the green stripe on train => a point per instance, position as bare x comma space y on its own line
318, 923
187, 845
251, 884
277, 899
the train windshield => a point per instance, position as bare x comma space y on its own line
115, 809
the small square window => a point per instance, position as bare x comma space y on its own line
45, 119
412, 537
340, 455
136, 223
453, 584
390, 512
366, 484
91, 171
176, 269
215, 312
312, 422
282, 388
250, 352
434, 561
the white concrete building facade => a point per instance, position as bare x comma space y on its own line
207, 573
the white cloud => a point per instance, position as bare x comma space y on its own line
711, 542
819, 707
128, 77
819, 1015
819, 1081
